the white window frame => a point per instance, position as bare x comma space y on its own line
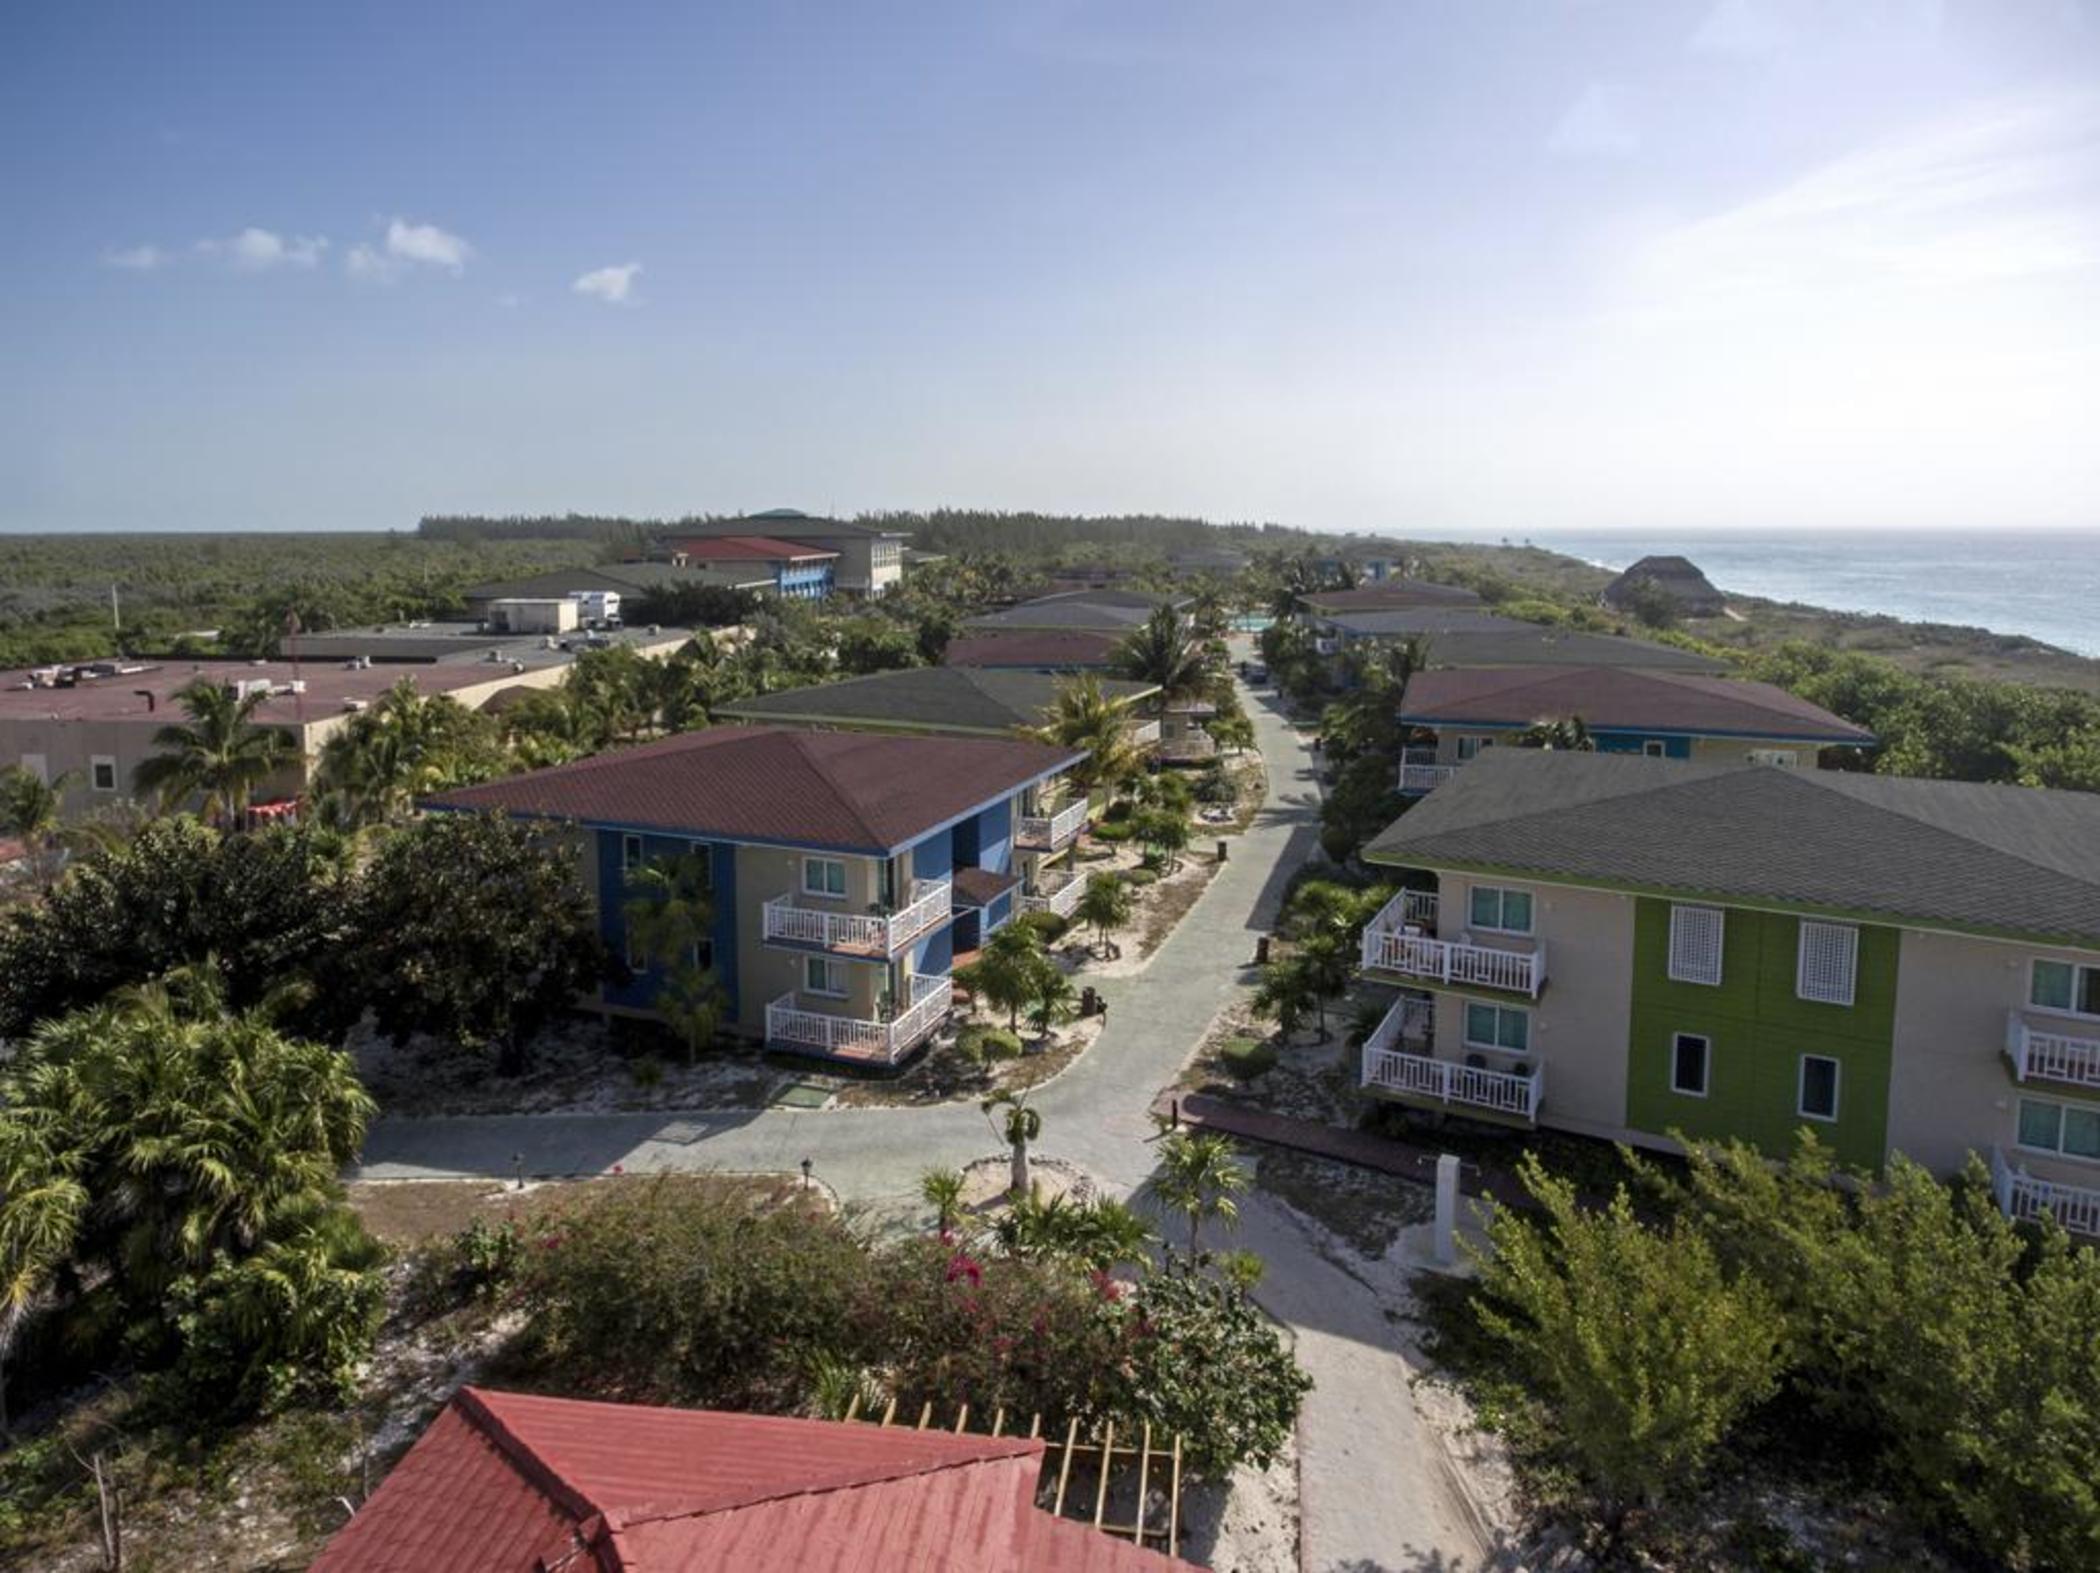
630, 853
1679, 914
1467, 746
2061, 1108
1837, 1088
1465, 1025
2072, 1011
1706, 1063
1654, 748
1779, 758
1851, 963
95, 764
1502, 895
827, 968
823, 891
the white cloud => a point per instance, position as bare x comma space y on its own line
407, 246
614, 286
427, 243
260, 250
1744, 29
1596, 125
138, 259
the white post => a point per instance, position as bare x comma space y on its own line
1447, 1210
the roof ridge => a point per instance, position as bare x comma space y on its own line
804, 743
524, 1457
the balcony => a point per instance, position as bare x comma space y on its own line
1440, 961
854, 934
1411, 1020
2050, 1056
1419, 1078
1410, 909
1144, 734
1052, 832
2024, 1198
1057, 892
795, 1024
1420, 773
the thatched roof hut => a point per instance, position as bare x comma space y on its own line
1677, 577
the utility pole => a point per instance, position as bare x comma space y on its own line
116, 618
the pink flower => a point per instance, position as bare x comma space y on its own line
960, 1266
619, 1169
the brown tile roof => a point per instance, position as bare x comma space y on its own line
744, 548
857, 791
1049, 652
511, 1481
1610, 698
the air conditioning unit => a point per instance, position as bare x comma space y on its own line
356, 705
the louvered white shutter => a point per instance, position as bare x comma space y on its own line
1829, 962
1695, 944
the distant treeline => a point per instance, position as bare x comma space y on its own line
955, 531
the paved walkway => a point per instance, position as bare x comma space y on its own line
1376, 1493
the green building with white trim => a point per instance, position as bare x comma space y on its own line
1625, 947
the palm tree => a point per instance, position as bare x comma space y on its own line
30, 810
1008, 971
1163, 653
670, 909
1082, 717
1568, 733
221, 755
1105, 904
373, 769
1017, 1127
942, 1190
1286, 993
1199, 1175
1056, 1001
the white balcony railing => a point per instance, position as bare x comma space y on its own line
1408, 909
1057, 892
856, 933
1417, 956
791, 1022
2051, 1056
1047, 832
1446, 1081
1409, 1021
1420, 772
2022, 1196
1143, 734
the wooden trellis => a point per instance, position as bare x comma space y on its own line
1100, 1450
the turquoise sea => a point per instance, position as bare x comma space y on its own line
2045, 584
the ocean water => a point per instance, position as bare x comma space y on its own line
2042, 584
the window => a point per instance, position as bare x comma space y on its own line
1498, 1027
1786, 757
1689, 1057
630, 854
102, 773
1695, 944
1470, 745
2065, 985
1655, 747
1819, 1088
2072, 1129
824, 876
822, 975
1828, 962
1506, 911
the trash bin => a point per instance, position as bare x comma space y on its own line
1261, 951
1221, 849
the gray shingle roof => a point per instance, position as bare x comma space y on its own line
2003, 859
1458, 636
1613, 697
1113, 611
932, 698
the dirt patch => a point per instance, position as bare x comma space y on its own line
1247, 1524
578, 1066
946, 1075
1313, 1078
408, 1212
1362, 1208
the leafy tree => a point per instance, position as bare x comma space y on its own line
1651, 605
1105, 904
1199, 1176
1165, 831
472, 928
1082, 717
869, 644
151, 1148
269, 909
1017, 1125
221, 755
1569, 734
31, 810
375, 766
1641, 1349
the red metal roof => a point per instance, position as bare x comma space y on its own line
743, 548
510, 1481
1614, 697
861, 791
1043, 651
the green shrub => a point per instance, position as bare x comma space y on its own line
1049, 927
1140, 876
1248, 1058
982, 1043
648, 1071
1114, 830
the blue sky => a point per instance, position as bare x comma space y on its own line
1506, 267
